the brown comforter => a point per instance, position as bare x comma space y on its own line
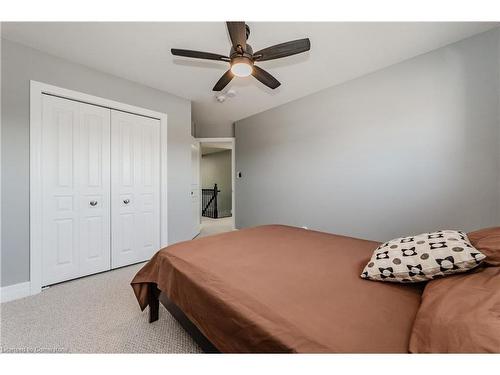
282, 289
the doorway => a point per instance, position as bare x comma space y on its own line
215, 193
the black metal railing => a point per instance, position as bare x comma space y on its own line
209, 202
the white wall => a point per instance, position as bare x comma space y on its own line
410, 148
20, 65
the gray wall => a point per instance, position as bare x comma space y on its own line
216, 169
410, 148
202, 130
20, 65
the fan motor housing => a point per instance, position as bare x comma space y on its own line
247, 52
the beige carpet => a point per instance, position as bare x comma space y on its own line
214, 226
94, 314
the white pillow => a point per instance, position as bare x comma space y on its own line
422, 257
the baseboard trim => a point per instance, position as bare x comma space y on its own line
16, 291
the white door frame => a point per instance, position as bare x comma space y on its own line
231, 143
198, 184
37, 89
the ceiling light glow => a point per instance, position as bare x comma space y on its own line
241, 69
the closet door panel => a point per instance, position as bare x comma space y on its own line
135, 175
148, 182
94, 176
60, 193
75, 162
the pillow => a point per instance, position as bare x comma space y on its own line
459, 314
488, 242
422, 257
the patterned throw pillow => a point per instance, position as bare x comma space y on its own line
423, 257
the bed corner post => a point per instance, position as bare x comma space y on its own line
154, 302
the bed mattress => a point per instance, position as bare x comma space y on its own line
277, 288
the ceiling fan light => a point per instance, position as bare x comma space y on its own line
241, 67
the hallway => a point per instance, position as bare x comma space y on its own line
215, 226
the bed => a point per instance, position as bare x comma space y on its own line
279, 289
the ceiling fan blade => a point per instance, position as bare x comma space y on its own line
237, 33
198, 54
264, 77
282, 50
223, 81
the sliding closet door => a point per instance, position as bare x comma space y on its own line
135, 188
75, 189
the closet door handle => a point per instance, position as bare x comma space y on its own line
93, 203
126, 201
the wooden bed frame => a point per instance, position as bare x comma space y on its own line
154, 305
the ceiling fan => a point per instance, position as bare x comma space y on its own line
242, 59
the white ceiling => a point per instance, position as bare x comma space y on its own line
211, 150
212, 147
141, 52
